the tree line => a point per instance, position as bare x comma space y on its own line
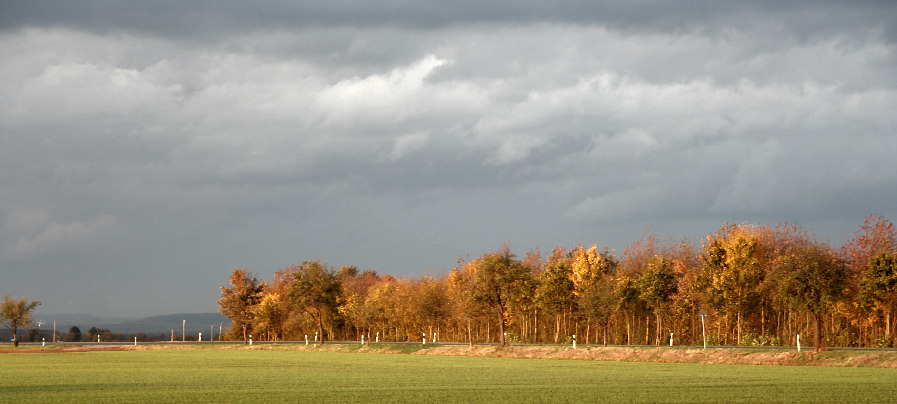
743, 285
93, 334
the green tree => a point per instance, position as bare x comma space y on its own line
16, 313
238, 302
626, 294
315, 290
75, 333
878, 289
811, 279
497, 282
554, 292
657, 286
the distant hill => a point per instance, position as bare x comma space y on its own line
193, 322
163, 324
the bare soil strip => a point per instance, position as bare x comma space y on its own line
734, 356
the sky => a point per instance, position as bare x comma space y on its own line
148, 148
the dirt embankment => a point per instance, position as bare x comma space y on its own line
734, 356
886, 359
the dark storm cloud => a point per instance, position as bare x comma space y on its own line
226, 17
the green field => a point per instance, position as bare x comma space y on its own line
269, 375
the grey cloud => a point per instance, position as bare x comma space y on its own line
259, 134
31, 232
172, 17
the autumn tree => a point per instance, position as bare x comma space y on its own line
353, 306
462, 305
16, 313
592, 276
431, 303
238, 301
315, 290
379, 305
497, 281
811, 279
268, 315
688, 300
733, 273
875, 236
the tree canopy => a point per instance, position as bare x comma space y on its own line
16, 313
238, 302
756, 285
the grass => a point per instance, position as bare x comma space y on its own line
284, 375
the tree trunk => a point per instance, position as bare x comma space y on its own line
501, 328
320, 317
888, 334
818, 341
536, 325
738, 340
469, 333
557, 328
588, 331
762, 319
647, 329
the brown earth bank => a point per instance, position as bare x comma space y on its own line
730, 356
886, 359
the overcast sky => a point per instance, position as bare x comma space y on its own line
148, 148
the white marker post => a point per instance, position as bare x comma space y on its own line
98, 338
362, 339
424, 338
250, 339
378, 337
200, 337
43, 342
703, 329
798, 342
316, 336
306, 339
574, 341
671, 339
135, 341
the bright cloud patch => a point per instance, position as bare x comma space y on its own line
30, 233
